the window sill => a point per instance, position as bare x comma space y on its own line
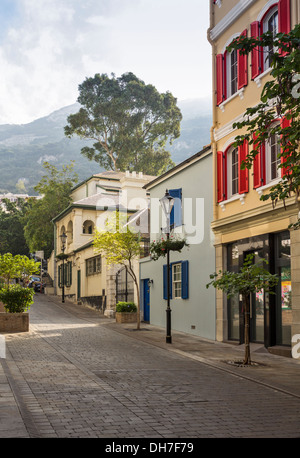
240, 92
240, 197
259, 77
261, 189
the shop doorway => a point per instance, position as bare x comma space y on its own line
270, 314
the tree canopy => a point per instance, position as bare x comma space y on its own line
279, 102
12, 227
128, 121
120, 246
54, 189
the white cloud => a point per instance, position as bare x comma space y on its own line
53, 45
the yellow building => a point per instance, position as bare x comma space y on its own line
84, 273
242, 223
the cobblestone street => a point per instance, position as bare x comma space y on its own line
74, 376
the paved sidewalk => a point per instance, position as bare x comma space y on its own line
72, 376
280, 372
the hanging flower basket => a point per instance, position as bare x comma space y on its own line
160, 248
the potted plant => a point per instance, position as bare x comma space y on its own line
126, 312
16, 299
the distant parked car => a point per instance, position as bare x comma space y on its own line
39, 287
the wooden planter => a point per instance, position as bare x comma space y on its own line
126, 317
14, 322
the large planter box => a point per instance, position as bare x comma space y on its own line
126, 317
14, 322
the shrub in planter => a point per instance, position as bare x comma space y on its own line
16, 299
126, 307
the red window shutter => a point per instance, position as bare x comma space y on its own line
243, 174
220, 78
242, 67
284, 123
256, 52
284, 16
221, 176
259, 169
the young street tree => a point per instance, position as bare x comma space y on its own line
278, 111
252, 278
55, 188
128, 121
120, 246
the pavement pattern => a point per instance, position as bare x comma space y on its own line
77, 374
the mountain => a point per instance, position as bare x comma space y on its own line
24, 147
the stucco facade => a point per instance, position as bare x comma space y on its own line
87, 277
243, 223
193, 306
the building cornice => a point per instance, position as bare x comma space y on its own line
230, 18
255, 216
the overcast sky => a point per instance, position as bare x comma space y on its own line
48, 47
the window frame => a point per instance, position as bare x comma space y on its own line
269, 161
265, 65
176, 283
231, 73
230, 177
93, 266
184, 280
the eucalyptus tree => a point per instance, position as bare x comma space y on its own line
128, 122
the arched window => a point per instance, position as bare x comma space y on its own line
70, 232
275, 17
88, 227
270, 24
273, 172
232, 72
233, 172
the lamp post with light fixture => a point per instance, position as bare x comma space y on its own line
167, 203
63, 238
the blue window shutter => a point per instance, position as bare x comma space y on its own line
165, 282
185, 279
176, 213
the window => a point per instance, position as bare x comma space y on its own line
232, 79
179, 280
272, 160
270, 24
93, 266
276, 19
266, 164
233, 172
231, 73
65, 274
231, 178
88, 227
176, 275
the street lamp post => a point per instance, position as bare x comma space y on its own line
63, 238
167, 203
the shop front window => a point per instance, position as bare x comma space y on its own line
284, 290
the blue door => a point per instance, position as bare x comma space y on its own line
146, 299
